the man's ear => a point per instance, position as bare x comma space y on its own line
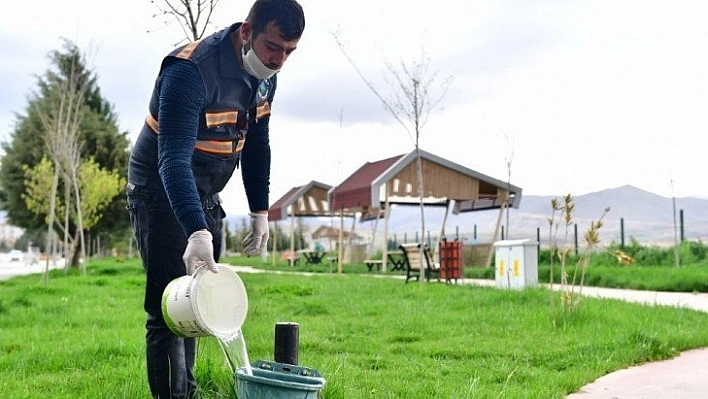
246, 29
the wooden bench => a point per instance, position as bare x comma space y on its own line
414, 256
371, 263
292, 257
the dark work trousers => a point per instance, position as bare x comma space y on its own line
161, 242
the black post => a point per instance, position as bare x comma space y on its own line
287, 342
575, 237
683, 237
538, 239
474, 236
622, 233
502, 232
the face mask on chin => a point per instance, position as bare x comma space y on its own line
254, 66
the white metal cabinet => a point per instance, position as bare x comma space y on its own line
516, 264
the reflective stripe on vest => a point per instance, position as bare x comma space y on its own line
262, 110
187, 50
221, 118
212, 146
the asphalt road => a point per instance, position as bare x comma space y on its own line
9, 269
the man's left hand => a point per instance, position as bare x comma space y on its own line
256, 241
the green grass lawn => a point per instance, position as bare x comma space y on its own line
82, 337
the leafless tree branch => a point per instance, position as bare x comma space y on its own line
193, 17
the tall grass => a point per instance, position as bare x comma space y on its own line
83, 337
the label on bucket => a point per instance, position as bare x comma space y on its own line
205, 304
177, 309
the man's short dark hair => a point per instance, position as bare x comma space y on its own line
287, 15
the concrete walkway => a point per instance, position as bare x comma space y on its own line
681, 377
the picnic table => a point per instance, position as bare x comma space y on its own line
396, 261
312, 257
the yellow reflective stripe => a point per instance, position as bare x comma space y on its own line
187, 50
221, 118
152, 123
263, 110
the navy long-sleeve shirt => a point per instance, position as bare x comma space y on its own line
182, 99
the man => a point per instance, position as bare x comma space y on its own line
209, 112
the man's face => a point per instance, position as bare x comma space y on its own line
270, 48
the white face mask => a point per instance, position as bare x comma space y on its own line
254, 66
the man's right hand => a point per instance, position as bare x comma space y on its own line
199, 252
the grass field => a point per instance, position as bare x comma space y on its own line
83, 337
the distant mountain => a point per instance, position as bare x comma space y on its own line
648, 218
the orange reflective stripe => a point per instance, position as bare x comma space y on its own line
263, 110
219, 147
152, 123
216, 147
211, 146
221, 118
187, 50
239, 145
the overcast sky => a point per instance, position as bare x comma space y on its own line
581, 96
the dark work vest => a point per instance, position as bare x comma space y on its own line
234, 97
235, 100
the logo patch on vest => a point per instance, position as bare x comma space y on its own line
263, 91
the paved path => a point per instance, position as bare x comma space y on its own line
696, 301
681, 377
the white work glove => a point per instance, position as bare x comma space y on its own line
199, 252
256, 241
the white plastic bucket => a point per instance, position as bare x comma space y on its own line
205, 303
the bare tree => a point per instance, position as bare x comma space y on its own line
505, 203
193, 17
507, 161
410, 102
61, 116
